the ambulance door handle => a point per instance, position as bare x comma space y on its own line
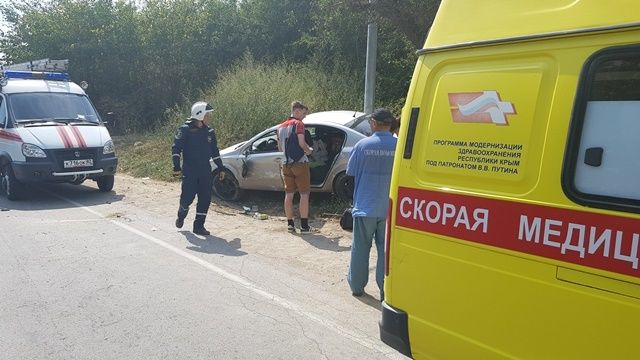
411, 133
593, 156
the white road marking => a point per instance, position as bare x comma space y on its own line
72, 221
364, 340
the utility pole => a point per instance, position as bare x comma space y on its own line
370, 70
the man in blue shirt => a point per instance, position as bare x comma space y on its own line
370, 163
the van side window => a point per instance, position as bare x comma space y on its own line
602, 166
3, 113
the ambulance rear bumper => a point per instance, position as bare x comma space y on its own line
394, 329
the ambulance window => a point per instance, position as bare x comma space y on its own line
3, 112
603, 153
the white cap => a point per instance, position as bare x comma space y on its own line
199, 109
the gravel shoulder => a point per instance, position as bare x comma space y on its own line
321, 257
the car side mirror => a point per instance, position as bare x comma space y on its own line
110, 120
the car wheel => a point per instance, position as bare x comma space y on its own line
227, 189
105, 183
10, 185
343, 186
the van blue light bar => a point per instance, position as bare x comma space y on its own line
45, 75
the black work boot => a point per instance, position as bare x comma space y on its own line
201, 231
182, 213
198, 225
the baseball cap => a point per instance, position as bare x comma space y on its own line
382, 115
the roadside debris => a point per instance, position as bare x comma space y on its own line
226, 213
246, 210
261, 216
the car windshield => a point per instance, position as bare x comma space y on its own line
360, 124
52, 106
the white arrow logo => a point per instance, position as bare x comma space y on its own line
484, 107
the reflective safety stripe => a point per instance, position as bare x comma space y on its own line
216, 158
178, 155
79, 138
201, 214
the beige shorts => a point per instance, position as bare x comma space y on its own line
296, 177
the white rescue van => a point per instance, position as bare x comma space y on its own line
50, 130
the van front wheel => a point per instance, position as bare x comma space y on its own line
105, 183
10, 185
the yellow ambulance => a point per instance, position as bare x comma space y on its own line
514, 219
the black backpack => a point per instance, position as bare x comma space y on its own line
292, 149
346, 220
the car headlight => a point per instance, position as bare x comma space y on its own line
34, 151
108, 148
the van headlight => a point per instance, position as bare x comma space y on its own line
108, 148
34, 151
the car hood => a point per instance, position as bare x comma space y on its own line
65, 136
232, 148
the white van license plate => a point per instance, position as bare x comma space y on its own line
78, 163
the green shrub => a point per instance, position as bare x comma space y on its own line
250, 97
247, 98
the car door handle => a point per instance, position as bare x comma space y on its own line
593, 156
278, 159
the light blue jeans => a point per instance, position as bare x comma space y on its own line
365, 230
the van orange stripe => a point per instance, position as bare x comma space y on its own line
79, 137
65, 138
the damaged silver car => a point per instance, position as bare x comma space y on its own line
255, 164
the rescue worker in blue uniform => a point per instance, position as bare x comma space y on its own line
197, 143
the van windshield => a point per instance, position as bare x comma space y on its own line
51, 106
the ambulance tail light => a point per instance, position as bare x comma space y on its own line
387, 242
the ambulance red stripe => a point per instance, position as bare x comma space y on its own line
594, 240
10, 136
76, 132
65, 137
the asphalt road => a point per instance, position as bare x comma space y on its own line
87, 275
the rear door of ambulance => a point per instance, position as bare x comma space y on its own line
515, 200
